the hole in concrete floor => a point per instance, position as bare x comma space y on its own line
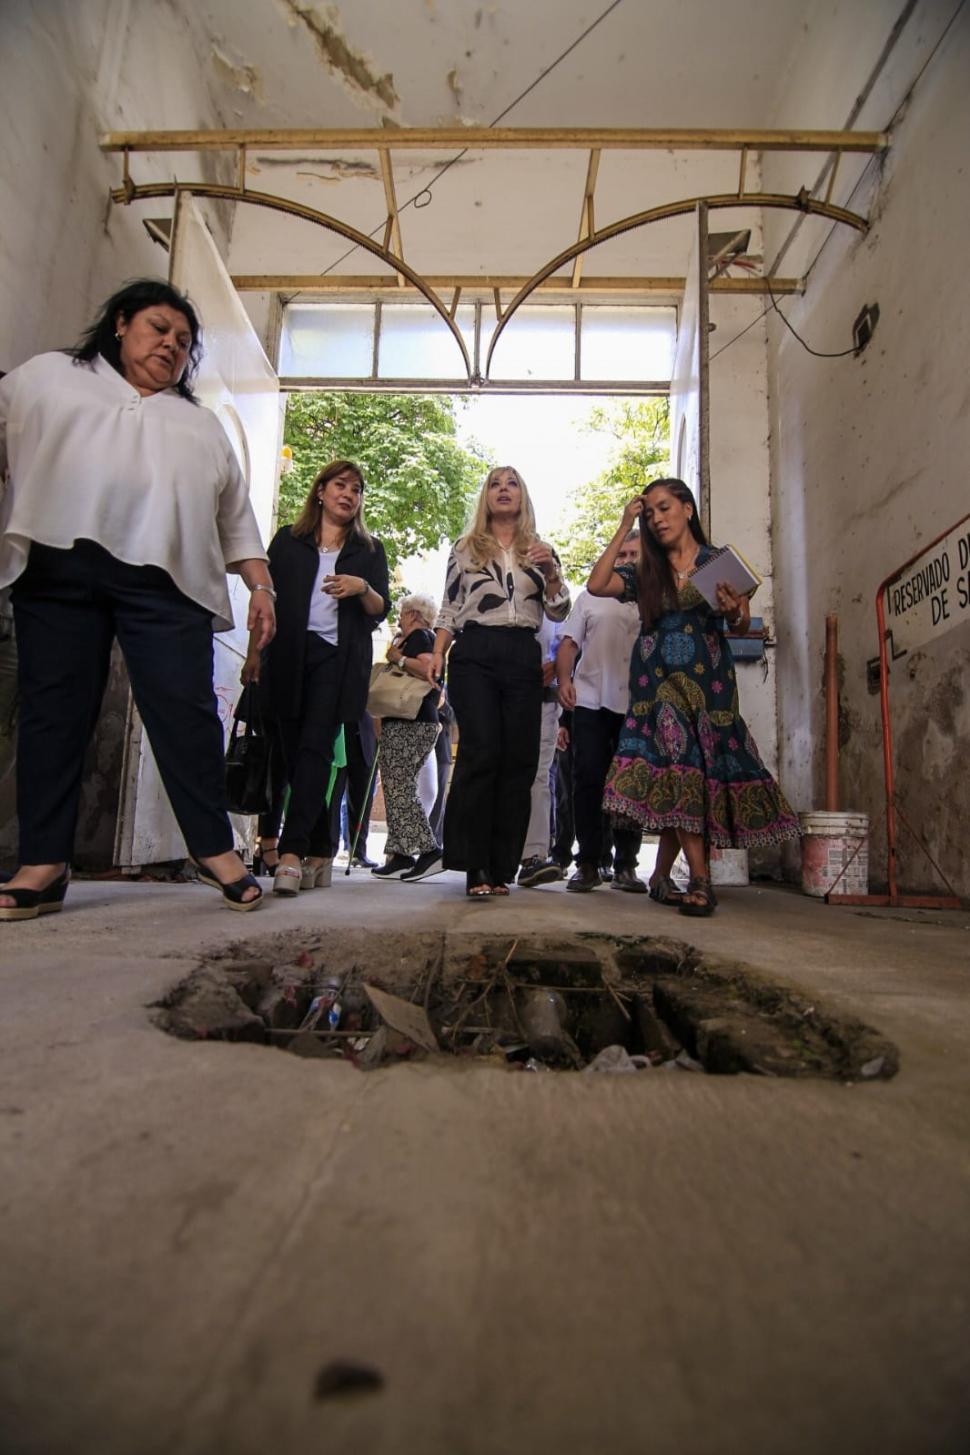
534, 1003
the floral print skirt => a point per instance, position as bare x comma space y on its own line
685, 758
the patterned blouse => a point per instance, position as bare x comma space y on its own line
501, 593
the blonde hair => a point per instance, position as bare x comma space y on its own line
423, 606
478, 540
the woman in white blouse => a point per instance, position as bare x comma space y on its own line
123, 510
501, 580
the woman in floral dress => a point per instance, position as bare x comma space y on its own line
686, 766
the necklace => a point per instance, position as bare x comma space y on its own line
682, 575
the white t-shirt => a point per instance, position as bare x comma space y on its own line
604, 630
323, 608
153, 480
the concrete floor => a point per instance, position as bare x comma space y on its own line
547, 1263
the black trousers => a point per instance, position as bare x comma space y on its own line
495, 688
68, 607
562, 846
595, 734
307, 743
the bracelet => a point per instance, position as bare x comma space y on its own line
366, 588
268, 589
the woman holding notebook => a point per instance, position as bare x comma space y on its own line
686, 766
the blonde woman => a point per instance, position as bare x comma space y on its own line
412, 850
501, 580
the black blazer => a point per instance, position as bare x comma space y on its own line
293, 563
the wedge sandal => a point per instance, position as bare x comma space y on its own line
232, 893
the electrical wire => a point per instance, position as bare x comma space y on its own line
426, 191
818, 353
840, 354
739, 335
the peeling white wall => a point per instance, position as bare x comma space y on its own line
69, 71
740, 485
869, 461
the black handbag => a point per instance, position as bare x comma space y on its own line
249, 765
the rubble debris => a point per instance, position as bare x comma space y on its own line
410, 1020
617, 1058
683, 1062
542, 1014
206, 1006
606, 1003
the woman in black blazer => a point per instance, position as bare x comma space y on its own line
330, 576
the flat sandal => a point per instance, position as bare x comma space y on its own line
702, 888
663, 890
477, 885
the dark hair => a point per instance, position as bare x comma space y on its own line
135, 296
307, 522
655, 578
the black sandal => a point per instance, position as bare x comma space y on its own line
702, 888
232, 894
261, 864
477, 885
29, 903
663, 890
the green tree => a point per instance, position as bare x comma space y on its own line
419, 477
642, 434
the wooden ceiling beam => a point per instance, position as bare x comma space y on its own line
586, 220
392, 233
492, 138
481, 285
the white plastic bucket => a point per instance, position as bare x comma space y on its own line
831, 843
728, 866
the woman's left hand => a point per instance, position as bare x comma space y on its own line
261, 622
540, 554
341, 587
734, 608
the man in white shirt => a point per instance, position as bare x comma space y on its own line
603, 630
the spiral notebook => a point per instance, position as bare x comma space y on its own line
726, 564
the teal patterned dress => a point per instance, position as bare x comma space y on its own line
685, 758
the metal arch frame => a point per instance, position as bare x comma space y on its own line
131, 193
798, 203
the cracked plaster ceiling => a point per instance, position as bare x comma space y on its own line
650, 63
